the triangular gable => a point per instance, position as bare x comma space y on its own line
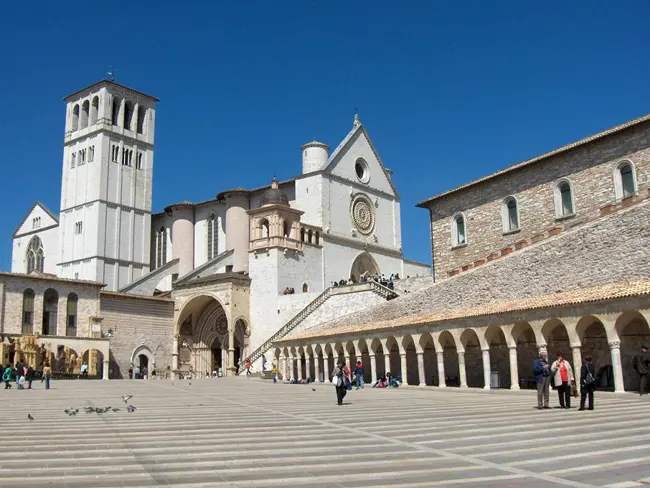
48, 219
358, 144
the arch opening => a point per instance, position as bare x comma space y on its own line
364, 265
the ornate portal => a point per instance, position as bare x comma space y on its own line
362, 214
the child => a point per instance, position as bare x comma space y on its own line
274, 373
21, 382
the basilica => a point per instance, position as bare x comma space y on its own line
198, 286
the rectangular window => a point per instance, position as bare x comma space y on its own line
73, 160
138, 162
91, 154
78, 227
212, 236
161, 248
115, 153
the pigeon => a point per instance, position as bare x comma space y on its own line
126, 398
71, 411
89, 409
130, 408
29, 416
190, 383
116, 410
313, 389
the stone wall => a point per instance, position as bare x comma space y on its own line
137, 323
611, 249
590, 170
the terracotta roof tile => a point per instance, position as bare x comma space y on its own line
585, 295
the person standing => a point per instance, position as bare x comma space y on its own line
47, 375
131, 371
358, 373
541, 370
563, 377
641, 364
29, 377
587, 383
6, 377
338, 378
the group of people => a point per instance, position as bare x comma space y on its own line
381, 279
289, 291
561, 376
140, 374
22, 374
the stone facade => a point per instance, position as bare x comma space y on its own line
588, 166
140, 326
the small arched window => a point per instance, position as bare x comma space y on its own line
302, 234
71, 324
94, 111
128, 115
510, 214
85, 112
458, 231
564, 206
142, 112
28, 312
263, 228
625, 180
75, 118
305, 288
317, 238
35, 256
287, 228
115, 116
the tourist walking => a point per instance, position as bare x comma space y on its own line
18, 372
338, 378
358, 373
6, 377
248, 367
641, 364
274, 373
131, 371
47, 375
84, 369
29, 377
136, 372
541, 370
563, 378
587, 383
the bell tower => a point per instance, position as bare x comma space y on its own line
106, 189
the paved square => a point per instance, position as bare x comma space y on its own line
236, 432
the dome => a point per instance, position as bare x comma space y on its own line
274, 196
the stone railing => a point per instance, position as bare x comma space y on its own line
313, 305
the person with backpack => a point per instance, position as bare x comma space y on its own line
641, 364
587, 383
358, 373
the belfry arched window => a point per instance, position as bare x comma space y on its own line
35, 256
128, 114
75, 118
94, 110
85, 113
142, 112
458, 231
510, 214
263, 229
625, 180
115, 115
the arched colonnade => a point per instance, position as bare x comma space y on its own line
479, 356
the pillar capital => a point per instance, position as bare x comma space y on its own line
575, 346
614, 344
420, 353
485, 349
511, 347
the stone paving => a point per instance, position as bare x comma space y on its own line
239, 432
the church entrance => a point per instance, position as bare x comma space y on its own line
363, 266
217, 357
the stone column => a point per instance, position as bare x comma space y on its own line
403, 369
231, 352
421, 373
486, 368
373, 368
106, 366
282, 366
307, 366
299, 366
386, 362
347, 359
442, 382
577, 365
289, 368
461, 369
615, 349
514, 368
174, 356
326, 368
317, 368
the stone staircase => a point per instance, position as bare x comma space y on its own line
315, 304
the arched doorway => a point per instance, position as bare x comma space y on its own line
429, 358
203, 336
633, 331
593, 340
524, 337
499, 356
241, 341
50, 312
144, 358
450, 362
94, 358
474, 357
364, 265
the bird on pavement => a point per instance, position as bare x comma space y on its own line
126, 398
89, 409
116, 410
313, 389
29, 416
130, 408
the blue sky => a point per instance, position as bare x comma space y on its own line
448, 91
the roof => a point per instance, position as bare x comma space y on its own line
584, 295
543, 157
50, 277
121, 294
109, 82
45, 209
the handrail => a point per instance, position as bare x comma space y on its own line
306, 311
